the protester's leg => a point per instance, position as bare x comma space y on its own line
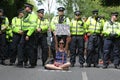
52, 67
66, 65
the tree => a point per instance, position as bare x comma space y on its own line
11, 6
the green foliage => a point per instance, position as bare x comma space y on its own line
110, 2
11, 6
86, 6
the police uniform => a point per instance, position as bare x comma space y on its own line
17, 24
4, 23
77, 31
29, 26
41, 36
94, 28
111, 33
58, 20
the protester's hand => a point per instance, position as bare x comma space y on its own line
27, 38
68, 39
39, 30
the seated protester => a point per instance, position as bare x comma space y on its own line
60, 62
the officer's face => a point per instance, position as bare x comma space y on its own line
21, 15
60, 13
27, 9
1, 13
115, 17
40, 14
95, 14
77, 16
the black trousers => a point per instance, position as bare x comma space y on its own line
3, 46
77, 43
14, 47
42, 41
93, 49
30, 50
22, 56
111, 49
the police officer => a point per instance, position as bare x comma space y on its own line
17, 24
59, 19
4, 23
111, 33
77, 30
94, 28
42, 28
29, 26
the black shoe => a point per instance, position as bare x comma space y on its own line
72, 65
26, 64
3, 63
116, 66
105, 66
30, 66
19, 65
11, 64
81, 66
88, 65
96, 65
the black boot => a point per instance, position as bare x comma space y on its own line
105, 66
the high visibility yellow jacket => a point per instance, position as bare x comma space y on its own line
55, 20
43, 24
5, 24
17, 24
77, 27
93, 26
30, 23
111, 28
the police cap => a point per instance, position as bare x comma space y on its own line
115, 13
28, 5
41, 11
21, 11
61, 9
1, 10
77, 13
95, 11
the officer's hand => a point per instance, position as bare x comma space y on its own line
3, 28
39, 30
0, 32
54, 33
27, 38
21, 32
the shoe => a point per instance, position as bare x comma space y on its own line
105, 67
11, 64
81, 66
88, 65
30, 66
72, 65
26, 64
3, 63
116, 66
96, 65
19, 65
